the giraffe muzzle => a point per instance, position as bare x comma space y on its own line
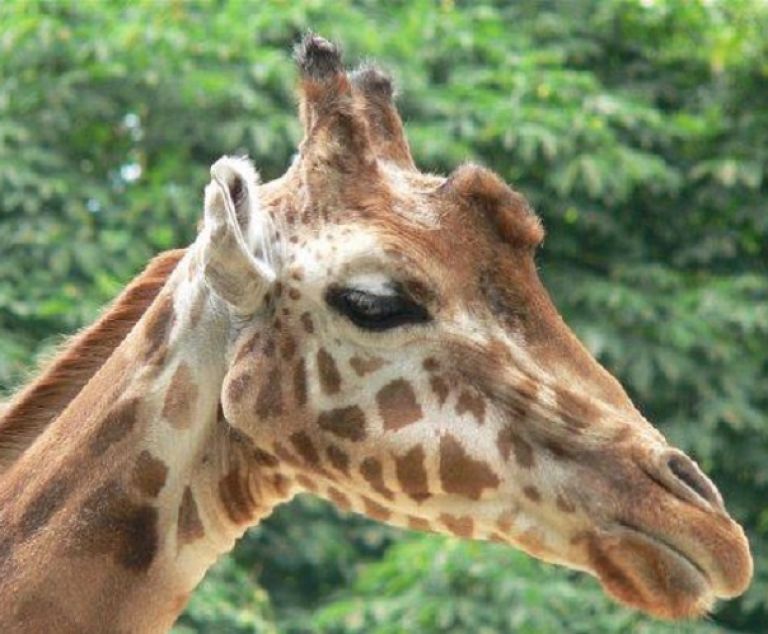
672, 548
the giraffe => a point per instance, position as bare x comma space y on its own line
362, 331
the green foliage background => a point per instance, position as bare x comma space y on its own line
639, 130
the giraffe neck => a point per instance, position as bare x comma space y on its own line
115, 513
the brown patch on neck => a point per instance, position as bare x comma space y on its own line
115, 426
189, 528
157, 330
179, 405
45, 504
41, 402
149, 475
113, 524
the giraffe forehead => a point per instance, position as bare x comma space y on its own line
334, 249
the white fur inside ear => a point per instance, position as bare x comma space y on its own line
230, 269
234, 174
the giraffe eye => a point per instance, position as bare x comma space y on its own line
374, 311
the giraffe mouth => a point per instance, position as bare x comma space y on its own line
648, 572
666, 546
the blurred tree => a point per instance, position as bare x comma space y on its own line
639, 128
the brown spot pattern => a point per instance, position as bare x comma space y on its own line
44, 505
239, 385
180, 398
365, 366
418, 524
288, 349
300, 382
308, 483
112, 524
532, 493
339, 499
330, 379
460, 526
307, 324
508, 440
525, 395
149, 474
472, 403
269, 402
282, 485
460, 473
345, 422
371, 470
376, 510
115, 426
306, 449
158, 326
264, 458
440, 388
397, 405
412, 475
557, 449
189, 528
339, 459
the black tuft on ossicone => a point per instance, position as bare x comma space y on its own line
372, 80
318, 58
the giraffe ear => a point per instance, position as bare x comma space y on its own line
229, 267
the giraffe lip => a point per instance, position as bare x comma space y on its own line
644, 570
667, 546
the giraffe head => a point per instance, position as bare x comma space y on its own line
394, 351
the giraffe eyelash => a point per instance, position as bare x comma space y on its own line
376, 312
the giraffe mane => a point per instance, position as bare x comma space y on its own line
39, 403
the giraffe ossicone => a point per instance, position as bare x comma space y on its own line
363, 331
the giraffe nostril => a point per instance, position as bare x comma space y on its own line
684, 476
